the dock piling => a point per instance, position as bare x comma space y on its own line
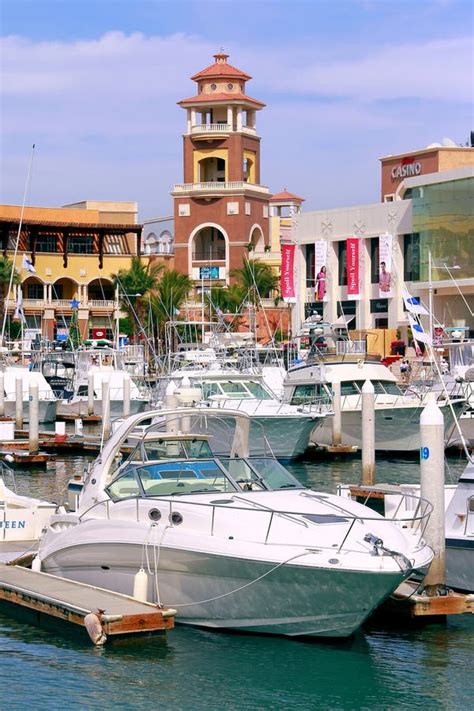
368, 434
126, 395
432, 488
105, 410
19, 403
337, 419
90, 394
2, 394
171, 403
33, 417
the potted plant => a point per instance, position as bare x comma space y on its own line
267, 248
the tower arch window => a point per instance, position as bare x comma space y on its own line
209, 245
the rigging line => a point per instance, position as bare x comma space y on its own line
137, 319
20, 225
459, 290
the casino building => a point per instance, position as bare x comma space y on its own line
423, 229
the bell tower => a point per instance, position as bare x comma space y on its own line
220, 208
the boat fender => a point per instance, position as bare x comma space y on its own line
140, 586
36, 564
95, 630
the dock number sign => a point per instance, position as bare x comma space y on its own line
425, 452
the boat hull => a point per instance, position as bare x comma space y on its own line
47, 410
292, 600
460, 564
396, 429
78, 407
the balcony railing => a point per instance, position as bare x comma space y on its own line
219, 187
211, 128
215, 255
266, 256
64, 304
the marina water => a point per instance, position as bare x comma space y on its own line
389, 667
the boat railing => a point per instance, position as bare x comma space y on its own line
416, 518
6, 471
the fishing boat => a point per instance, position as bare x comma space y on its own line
231, 542
46, 398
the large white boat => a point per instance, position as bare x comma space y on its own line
22, 518
287, 427
46, 398
397, 413
231, 543
68, 374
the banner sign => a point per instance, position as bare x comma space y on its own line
352, 264
320, 268
209, 272
98, 333
287, 283
385, 266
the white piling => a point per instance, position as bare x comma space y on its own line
2, 394
105, 410
337, 418
33, 419
171, 404
18, 403
432, 488
90, 394
368, 434
126, 395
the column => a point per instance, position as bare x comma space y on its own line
332, 286
239, 118
188, 120
396, 314
230, 117
193, 117
363, 305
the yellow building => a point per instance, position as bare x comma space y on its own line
74, 251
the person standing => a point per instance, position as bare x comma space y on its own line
321, 284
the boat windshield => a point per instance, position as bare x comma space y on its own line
234, 389
200, 476
171, 448
381, 387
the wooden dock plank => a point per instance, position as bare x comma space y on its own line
71, 601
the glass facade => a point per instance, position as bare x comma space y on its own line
443, 224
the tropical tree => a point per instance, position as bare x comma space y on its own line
222, 299
6, 267
255, 280
134, 285
168, 297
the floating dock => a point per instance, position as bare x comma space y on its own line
101, 612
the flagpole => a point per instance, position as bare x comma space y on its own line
20, 224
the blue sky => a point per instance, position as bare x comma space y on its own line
95, 83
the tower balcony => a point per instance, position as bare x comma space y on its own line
217, 189
209, 131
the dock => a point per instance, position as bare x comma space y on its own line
101, 612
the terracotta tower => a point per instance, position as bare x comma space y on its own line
220, 207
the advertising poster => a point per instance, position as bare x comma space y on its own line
385, 266
320, 269
352, 264
287, 283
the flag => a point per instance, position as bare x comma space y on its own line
19, 314
412, 303
418, 332
28, 265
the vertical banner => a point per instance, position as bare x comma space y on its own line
287, 281
352, 263
385, 266
320, 269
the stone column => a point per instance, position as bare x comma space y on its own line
239, 118
230, 117
188, 120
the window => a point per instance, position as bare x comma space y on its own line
342, 257
378, 306
310, 270
306, 393
411, 257
381, 323
374, 260
213, 87
348, 308
34, 291
80, 245
44, 243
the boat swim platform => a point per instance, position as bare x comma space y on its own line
423, 605
103, 613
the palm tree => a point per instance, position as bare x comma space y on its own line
6, 266
133, 285
224, 299
168, 297
256, 280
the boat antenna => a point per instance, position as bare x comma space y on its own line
20, 224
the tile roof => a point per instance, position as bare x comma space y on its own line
285, 195
220, 96
221, 68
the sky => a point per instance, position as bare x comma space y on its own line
94, 85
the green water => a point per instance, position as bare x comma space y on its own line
379, 668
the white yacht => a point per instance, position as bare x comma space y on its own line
286, 426
459, 521
71, 375
397, 413
231, 543
22, 518
47, 399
